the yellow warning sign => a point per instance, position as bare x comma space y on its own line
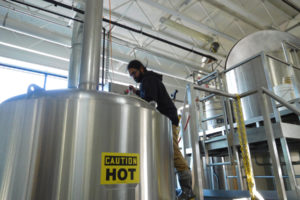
120, 168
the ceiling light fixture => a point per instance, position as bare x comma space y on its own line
186, 30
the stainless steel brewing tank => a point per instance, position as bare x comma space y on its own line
214, 107
251, 75
52, 145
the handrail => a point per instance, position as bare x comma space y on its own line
281, 61
281, 100
219, 92
269, 93
291, 45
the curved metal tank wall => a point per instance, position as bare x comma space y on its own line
214, 107
51, 145
251, 76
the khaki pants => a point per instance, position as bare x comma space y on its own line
179, 162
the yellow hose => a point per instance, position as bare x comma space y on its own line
241, 129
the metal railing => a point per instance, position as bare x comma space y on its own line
264, 93
267, 97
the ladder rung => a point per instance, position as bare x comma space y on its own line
217, 164
207, 97
211, 118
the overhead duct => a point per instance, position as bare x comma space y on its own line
90, 60
75, 58
186, 30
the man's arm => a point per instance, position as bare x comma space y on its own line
134, 90
150, 91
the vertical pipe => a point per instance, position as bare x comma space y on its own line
289, 166
197, 162
203, 126
272, 147
103, 58
235, 153
270, 85
74, 65
90, 58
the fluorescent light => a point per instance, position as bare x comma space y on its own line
186, 30
34, 36
33, 66
34, 51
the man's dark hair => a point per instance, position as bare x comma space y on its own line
136, 64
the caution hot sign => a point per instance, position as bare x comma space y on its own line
120, 168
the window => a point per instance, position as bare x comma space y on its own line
15, 82
54, 83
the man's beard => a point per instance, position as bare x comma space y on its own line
138, 79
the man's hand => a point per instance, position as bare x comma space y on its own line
132, 88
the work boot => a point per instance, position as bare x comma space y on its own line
185, 180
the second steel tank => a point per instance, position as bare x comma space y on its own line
253, 74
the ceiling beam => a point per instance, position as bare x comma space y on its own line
162, 34
238, 12
189, 20
128, 44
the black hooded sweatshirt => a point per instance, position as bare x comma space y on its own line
152, 89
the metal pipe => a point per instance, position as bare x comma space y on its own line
272, 146
211, 118
282, 101
240, 63
214, 91
197, 162
281, 61
219, 164
248, 93
207, 76
45, 10
207, 97
289, 166
75, 58
90, 59
207, 80
103, 59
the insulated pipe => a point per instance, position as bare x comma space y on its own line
75, 59
90, 58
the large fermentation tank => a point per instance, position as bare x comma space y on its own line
214, 107
251, 75
51, 146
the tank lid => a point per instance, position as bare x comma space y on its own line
267, 41
84, 94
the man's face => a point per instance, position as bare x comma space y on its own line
135, 74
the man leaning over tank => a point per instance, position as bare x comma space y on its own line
152, 89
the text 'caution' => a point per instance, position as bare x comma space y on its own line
120, 168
